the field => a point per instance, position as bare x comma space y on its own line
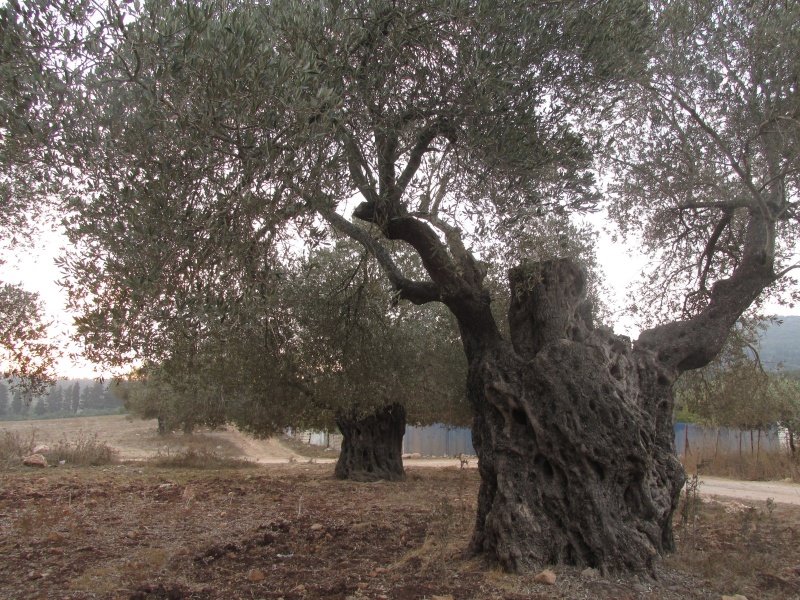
289, 530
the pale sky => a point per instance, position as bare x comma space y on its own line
36, 270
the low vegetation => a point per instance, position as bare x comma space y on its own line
83, 450
765, 465
198, 457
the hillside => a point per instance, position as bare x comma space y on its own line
780, 344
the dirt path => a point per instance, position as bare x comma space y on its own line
759, 491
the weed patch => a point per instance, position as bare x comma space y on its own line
764, 465
84, 451
197, 458
14, 446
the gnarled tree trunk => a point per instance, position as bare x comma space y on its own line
372, 446
573, 431
572, 424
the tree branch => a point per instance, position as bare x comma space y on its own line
424, 139
417, 292
693, 343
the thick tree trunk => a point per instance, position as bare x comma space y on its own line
372, 446
573, 430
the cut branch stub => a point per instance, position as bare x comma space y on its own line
548, 302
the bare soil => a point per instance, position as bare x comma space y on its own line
292, 531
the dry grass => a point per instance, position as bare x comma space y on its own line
84, 450
765, 465
136, 531
14, 446
198, 458
744, 548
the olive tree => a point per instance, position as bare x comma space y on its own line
203, 138
372, 363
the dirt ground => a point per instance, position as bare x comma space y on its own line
291, 531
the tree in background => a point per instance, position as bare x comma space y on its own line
18, 404
372, 363
55, 400
74, 398
4, 400
208, 137
152, 392
27, 356
787, 389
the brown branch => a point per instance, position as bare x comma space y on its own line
693, 343
711, 246
424, 139
417, 292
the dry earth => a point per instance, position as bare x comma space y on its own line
292, 531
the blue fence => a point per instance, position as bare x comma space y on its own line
694, 438
440, 440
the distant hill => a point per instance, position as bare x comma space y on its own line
780, 345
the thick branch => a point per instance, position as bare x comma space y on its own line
417, 292
711, 246
461, 292
424, 140
693, 343
359, 169
470, 267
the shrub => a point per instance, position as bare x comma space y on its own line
14, 447
84, 451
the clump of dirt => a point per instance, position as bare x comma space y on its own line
292, 532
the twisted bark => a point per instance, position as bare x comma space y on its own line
372, 446
573, 430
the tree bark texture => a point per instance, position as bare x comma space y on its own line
573, 430
372, 446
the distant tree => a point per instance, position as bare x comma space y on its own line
372, 363
92, 397
176, 400
4, 399
18, 403
55, 400
40, 407
74, 398
786, 389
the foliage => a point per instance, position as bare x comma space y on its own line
363, 351
342, 342
734, 389
27, 356
711, 137
151, 392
